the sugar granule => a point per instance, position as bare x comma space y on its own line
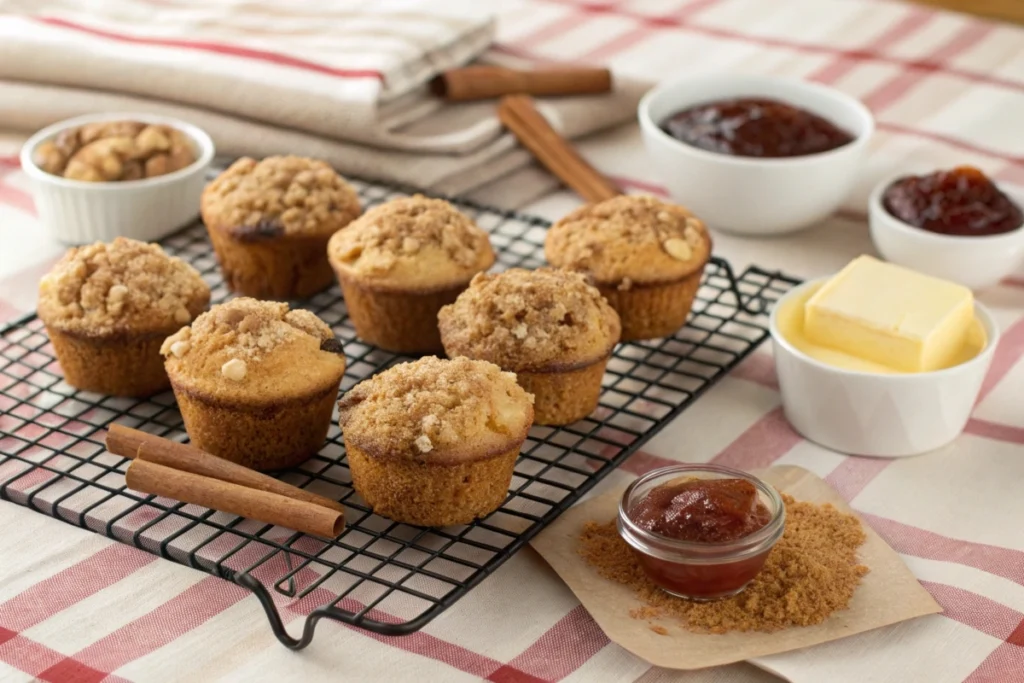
811, 573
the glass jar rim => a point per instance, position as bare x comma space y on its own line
749, 544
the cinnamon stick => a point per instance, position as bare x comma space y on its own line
484, 82
519, 115
132, 443
263, 506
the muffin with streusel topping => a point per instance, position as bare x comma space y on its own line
645, 256
400, 262
434, 442
108, 307
550, 327
256, 382
269, 222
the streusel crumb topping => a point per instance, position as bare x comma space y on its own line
412, 241
629, 239
435, 409
122, 286
280, 195
257, 348
530, 319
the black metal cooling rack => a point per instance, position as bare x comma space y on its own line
379, 575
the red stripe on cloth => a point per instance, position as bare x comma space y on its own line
16, 198
758, 368
859, 55
1004, 664
761, 444
1013, 282
854, 473
1008, 353
215, 48
554, 29
46, 664
995, 431
507, 674
72, 585
630, 38
889, 93
912, 540
641, 185
980, 613
914, 19
10, 161
564, 648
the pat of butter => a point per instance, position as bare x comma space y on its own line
886, 314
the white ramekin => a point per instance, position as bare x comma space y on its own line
754, 196
77, 212
862, 413
975, 262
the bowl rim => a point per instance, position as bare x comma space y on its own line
878, 215
199, 137
980, 311
649, 125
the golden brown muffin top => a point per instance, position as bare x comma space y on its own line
632, 239
530, 320
106, 151
124, 286
437, 411
411, 243
279, 196
256, 352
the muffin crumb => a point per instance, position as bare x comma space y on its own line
810, 573
106, 288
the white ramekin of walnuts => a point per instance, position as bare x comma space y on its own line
99, 176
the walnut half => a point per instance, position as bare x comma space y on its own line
115, 151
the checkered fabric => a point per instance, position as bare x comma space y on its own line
945, 89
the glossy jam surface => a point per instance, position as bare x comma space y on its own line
962, 201
755, 127
702, 510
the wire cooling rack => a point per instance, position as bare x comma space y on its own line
379, 575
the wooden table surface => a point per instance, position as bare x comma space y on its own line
1007, 10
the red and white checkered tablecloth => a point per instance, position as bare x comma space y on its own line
945, 89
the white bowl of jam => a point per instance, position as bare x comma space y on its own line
755, 155
956, 225
701, 532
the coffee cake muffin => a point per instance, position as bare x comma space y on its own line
434, 442
108, 307
645, 256
400, 262
270, 220
256, 382
550, 327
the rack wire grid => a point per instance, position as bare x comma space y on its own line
379, 575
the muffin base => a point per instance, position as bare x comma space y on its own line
653, 311
277, 269
563, 397
121, 365
269, 437
431, 494
400, 322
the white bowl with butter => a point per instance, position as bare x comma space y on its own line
977, 262
853, 403
755, 195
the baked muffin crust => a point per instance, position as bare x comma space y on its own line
126, 286
254, 352
279, 196
543, 319
437, 411
411, 243
627, 240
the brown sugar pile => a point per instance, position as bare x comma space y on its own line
811, 573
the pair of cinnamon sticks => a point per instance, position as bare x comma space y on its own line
175, 470
519, 114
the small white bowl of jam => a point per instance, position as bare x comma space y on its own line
755, 155
956, 225
897, 376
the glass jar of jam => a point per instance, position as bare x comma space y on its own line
701, 532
